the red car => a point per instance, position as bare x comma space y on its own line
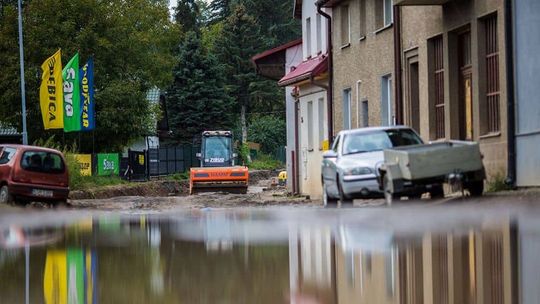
30, 173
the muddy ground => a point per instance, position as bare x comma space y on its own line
167, 195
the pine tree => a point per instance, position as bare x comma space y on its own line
197, 100
240, 40
219, 10
187, 14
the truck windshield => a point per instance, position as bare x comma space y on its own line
217, 149
379, 140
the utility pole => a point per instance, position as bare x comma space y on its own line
23, 94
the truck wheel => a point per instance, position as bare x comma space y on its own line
327, 200
5, 196
437, 192
343, 198
476, 188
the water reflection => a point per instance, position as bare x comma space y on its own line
235, 257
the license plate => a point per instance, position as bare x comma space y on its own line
42, 193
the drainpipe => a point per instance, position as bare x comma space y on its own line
510, 102
397, 65
329, 95
296, 171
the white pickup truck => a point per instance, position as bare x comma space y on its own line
413, 170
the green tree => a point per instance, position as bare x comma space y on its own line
197, 99
131, 43
269, 131
187, 14
219, 10
238, 42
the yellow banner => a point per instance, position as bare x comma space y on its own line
51, 93
55, 277
85, 163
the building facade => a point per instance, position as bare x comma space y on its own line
453, 71
362, 63
310, 81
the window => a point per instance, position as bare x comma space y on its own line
321, 122
345, 25
386, 101
319, 33
365, 114
6, 155
346, 109
388, 13
358, 107
216, 149
362, 8
310, 124
436, 80
335, 145
492, 74
383, 13
308, 37
39, 161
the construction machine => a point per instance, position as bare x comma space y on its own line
217, 171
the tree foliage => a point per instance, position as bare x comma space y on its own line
268, 130
197, 100
130, 41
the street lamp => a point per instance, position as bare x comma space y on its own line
23, 95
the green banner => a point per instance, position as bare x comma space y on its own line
75, 275
72, 97
108, 164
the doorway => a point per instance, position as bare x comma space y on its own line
414, 97
466, 131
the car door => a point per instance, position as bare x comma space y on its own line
329, 169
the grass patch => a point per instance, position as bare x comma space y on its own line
179, 176
496, 183
89, 182
265, 162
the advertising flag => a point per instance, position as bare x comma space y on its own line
50, 93
88, 122
72, 97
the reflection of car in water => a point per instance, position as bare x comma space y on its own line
217, 171
349, 169
32, 174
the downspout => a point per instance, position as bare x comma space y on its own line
329, 95
296, 171
397, 65
510, 102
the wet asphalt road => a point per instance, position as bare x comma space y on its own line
271, 249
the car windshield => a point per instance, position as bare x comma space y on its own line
379, 140
217, 149
41, 161
6, 155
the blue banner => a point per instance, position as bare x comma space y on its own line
88, 122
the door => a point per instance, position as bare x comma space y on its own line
414, 97
466, 100
466, 131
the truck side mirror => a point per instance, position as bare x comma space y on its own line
198, 155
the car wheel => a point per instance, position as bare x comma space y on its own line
476, 188
437, 191
5, 196
342, 197
327, 200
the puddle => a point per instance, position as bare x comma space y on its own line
254, 257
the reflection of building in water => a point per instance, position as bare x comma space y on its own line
463, 267
311, 266
454, 268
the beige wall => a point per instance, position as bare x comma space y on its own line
420, 23
365, 60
